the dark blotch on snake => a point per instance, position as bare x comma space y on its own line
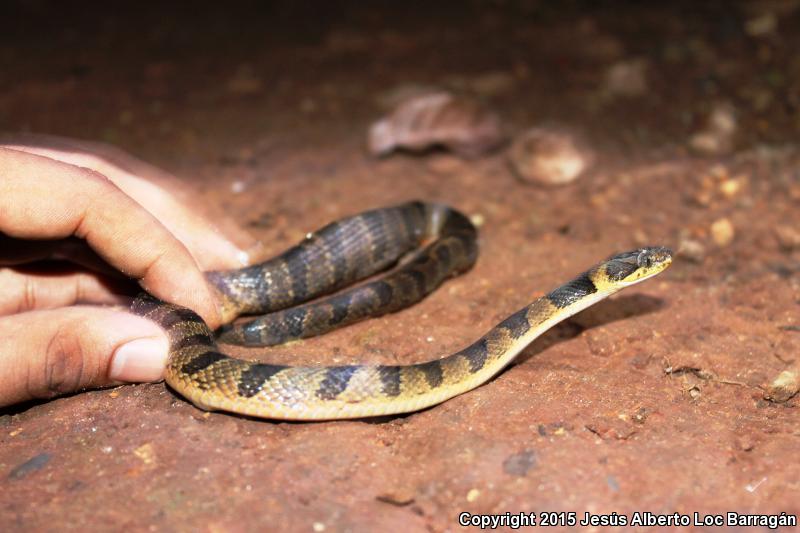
384, 291
476, 355
338, 257
335, 382
252, 380
176, 316
260, 293
201, 362
573, 291
410, 222
432, 370
299, 270
517, 324
381, 244
145, 303
254, 333
390, 380
198, 339
341, 308
293, 319
418, 278
618, 270
443, 255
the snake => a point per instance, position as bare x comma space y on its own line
362, 266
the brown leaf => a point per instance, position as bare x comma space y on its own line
457, 123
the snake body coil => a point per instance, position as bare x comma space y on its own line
431, 242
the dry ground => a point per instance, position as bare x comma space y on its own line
651, 401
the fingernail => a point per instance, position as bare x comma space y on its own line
139, 360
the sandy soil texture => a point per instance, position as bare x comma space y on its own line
655, 400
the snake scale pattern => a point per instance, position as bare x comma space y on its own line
426, 243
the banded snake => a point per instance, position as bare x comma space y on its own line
429, 243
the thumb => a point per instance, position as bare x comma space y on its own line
53, 352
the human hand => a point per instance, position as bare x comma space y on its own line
54, 204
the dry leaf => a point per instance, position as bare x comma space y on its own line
457, 123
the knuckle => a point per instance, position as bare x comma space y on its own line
28, 300
64, 363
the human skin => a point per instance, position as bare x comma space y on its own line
66, 329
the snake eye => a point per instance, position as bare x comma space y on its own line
654, 257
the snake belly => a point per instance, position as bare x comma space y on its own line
441, 242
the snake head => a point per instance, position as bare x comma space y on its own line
632, 267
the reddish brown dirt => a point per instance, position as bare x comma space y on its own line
652, 401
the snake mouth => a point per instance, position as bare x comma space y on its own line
651, 261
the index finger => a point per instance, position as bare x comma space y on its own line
45, 199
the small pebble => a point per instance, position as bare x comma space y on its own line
318, 527
472, 495
640, 416
548, 157
783, 387
722, 232
146, 453
706, 143
788, 237
627, 78
731, 187
722, 120
718, 133
692, 250
761, 25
